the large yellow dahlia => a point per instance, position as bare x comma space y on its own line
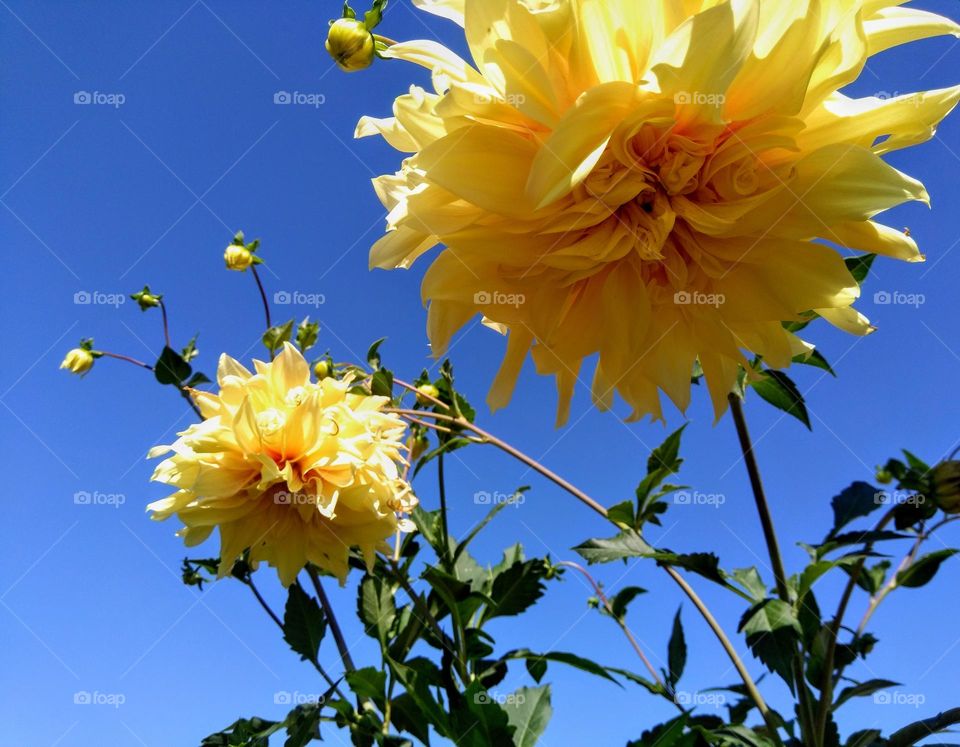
647, 180
292, 470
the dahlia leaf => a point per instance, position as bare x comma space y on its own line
860, 266
815, 358
304, 623
622, 599
529, 711
862, 689
625, 545
676, 651
750, 580
779, 390
859, 499
369, 683
772, 631
478, 720
307, 334
538, 662
376, 608
373, 354
923, 570
171, 368
516, 589
278, 334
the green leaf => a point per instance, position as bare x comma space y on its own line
923, 570
772, 631
478, 720
381, 383
516, 588
372, 18
815, 358
171, 368
676, 652
369, 683
529, 711
862, 689
376, 608
278, 334
622, 514
373, 354
537, 663
779, 390
860, 266
190, 351
628, 544
491, 514
196, 380
705, 564
303, 725
307, 334
623, 598
749, 579
859, 499
865, 738
304, 624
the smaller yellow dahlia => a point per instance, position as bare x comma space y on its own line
294, 471
78, 361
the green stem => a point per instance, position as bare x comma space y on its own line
342, 647
773, 551
444, 526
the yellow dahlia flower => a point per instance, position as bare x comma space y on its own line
647, 180
292, 470
77, 361
237, 258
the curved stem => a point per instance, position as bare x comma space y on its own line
166, 324
773, 550
126, 358
590, 502
623, 626
342, 647
444, 527
263, 295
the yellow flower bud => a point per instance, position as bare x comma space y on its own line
238, 258
321, 369
78, 361
946, 486
418, 446
351, 44
425, 392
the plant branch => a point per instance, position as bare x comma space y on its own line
263, 295
126, 358
342, 647
166, 325
921, 729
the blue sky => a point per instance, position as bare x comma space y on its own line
102, 198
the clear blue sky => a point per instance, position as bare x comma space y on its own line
105, 198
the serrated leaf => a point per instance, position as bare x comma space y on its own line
859, 499
307, 334
621, 514
622, 599
922, 571
304, 623
529, 711
779, 390
749, 579
516, 588
862, 689
376, 607
772, 631
628, 544
278, 334
369, 683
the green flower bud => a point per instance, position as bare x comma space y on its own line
351, 44
946, 486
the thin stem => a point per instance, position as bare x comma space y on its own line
166, 325
444, 526
773, 546
331, 620
126, 358
623, 626
588, 501
263, 295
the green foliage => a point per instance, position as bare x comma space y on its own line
276, 335
780, 391
304, 624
